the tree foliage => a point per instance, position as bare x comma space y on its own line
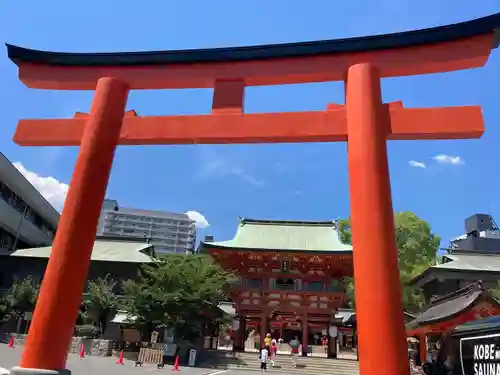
100, 301
177, 291
22, 296
495, 291
4, 309
417, 249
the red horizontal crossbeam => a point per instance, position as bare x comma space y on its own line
287, 127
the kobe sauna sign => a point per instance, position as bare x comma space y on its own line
365, 122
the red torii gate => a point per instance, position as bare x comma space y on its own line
364, 121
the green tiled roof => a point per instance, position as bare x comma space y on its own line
462, 262
469, 262
105, 251
320, 236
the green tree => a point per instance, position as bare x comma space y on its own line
4, 309
495, 291
177, 291
417, 249
22, 296
348, 283
100, 301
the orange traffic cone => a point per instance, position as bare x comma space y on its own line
119, 361
82, 351
176, 364
11, 342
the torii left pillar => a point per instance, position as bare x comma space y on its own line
56, 311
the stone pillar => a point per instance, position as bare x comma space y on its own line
66, 274
305, 336
332, 349
379, 310
239, 344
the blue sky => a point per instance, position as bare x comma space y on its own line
294, 181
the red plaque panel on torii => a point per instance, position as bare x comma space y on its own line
364, 121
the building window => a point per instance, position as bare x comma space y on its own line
316, 286
285, 284
7, 241
254, 283
21, 206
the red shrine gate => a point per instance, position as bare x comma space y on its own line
289, 277
364, 121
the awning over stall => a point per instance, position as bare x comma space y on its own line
123, 318
227, 308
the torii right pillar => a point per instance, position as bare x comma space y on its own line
377, 285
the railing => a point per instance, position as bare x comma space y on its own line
286, 287
244, 284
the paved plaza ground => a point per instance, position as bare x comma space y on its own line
9, 357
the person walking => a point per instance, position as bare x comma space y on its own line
324, 343
294, 346
267, 341
273, 352
264, 355
257, 342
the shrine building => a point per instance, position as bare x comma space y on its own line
459, 288
289, 278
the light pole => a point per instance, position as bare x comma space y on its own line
16, 238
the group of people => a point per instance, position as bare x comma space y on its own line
268, 352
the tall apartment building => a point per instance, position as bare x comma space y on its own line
26, 218
168, 232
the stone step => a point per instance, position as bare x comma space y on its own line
333, 370
215, 354
281, 365
317, 362
284, 363
324, 367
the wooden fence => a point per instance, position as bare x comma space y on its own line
150, 356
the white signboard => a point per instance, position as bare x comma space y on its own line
236, 324
333, 331
192, 357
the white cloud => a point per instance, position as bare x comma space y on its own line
416, 164
53, 190
447, 159
214, 166
201, 221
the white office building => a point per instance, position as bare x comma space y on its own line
26, 218
168, 232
